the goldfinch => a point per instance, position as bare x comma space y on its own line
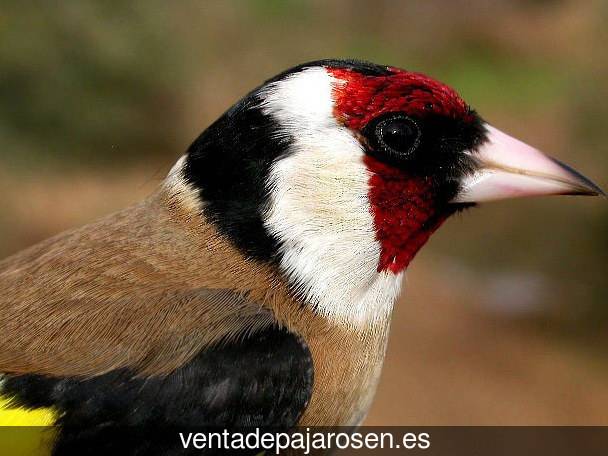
255, 286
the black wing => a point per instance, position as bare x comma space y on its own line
265, 380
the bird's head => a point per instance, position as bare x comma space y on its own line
337, 172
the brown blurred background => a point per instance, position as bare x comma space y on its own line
504, 318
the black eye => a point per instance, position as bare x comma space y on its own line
397, 135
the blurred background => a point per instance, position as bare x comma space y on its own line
504, 317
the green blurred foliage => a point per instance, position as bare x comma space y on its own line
81, 81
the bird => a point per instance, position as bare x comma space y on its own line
254, 287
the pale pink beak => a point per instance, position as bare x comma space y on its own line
509, 168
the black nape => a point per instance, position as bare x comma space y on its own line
229, 164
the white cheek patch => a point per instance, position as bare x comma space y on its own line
319, 208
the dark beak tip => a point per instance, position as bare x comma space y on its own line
588, 187
594, 190
599, 192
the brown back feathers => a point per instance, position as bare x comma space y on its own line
145, 288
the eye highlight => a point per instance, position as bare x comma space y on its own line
397, 135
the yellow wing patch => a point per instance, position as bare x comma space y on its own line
27, 432
10, 416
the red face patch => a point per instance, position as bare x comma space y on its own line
362, 98
405, 207
406, 212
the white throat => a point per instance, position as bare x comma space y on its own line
319, 208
